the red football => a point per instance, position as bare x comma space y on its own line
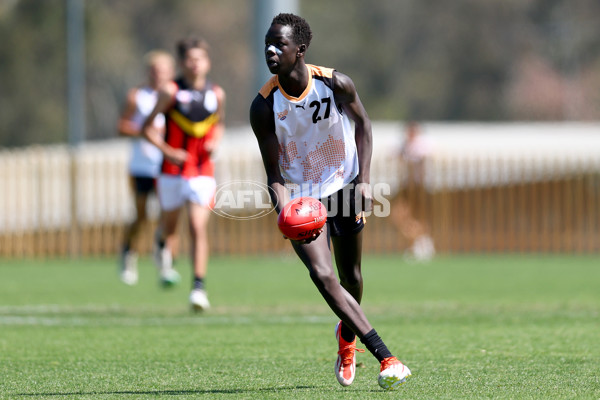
301, 218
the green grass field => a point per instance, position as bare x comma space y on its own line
469, 327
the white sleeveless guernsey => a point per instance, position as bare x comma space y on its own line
317, 149
145, 157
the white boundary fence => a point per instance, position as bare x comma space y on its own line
57, 188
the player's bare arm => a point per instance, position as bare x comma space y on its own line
213, 144
164, 102
126, 126
261, 120
347, 98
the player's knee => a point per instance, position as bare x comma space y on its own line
198, 231
323, 280
351, 278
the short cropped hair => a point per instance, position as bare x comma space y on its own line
193, 42
153, 56
301, 32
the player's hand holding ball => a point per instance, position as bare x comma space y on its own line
302, 219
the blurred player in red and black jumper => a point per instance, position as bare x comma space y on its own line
194, 108
301, 119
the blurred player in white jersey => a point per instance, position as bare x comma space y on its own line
145, 161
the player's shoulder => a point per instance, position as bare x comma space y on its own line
261, 105
167, 94
343, 86
169, 89
261, 117
269, 87
132, 93
218, 90
320, 71
330, 77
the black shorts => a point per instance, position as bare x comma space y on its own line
343, 215
144, 184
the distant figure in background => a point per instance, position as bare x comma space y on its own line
414, 150
413, 153
194, 109
145, 160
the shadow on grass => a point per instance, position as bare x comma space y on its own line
168, 392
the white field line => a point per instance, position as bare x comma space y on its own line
56, 315
59, 309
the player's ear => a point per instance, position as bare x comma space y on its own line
301, 50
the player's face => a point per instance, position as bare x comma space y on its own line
196, 63
280, 49
161, 71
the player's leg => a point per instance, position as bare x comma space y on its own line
168, 225
317, 258
199, 254
348, 254
199, 240
421, 245
345, 224
133, 229
347, 242
348, 251
201, 196
163, 251
129, 256
171, 201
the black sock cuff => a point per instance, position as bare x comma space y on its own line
372, 333
375, 345
198, 283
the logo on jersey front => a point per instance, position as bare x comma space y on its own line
282, 115
301, 105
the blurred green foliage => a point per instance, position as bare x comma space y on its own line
496, 60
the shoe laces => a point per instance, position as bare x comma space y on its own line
347, 352
389, 362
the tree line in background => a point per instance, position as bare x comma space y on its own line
498, 60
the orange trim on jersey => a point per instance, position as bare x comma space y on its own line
267, 88
320, 71
313, 70
195, 129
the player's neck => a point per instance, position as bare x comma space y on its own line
155, 85
195, 82
296, 81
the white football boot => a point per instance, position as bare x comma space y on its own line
345, 365
393, 373
164, 262
129, 267
199, 300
